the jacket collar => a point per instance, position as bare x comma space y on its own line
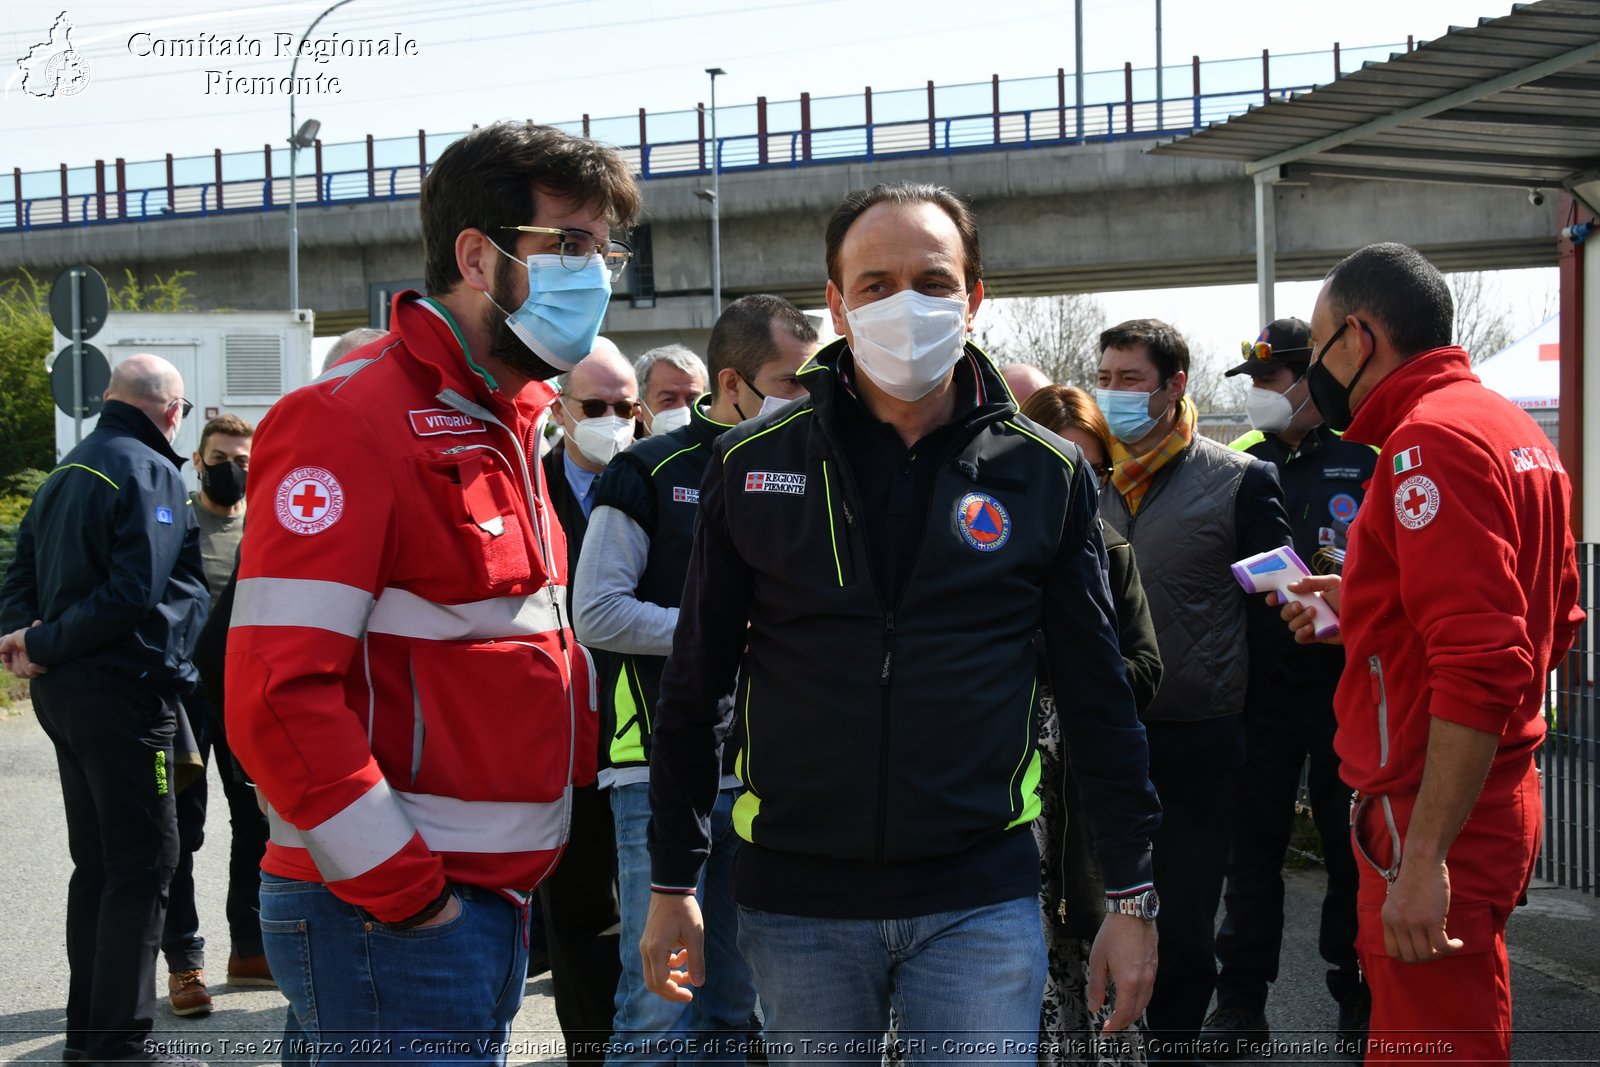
436, 341
702, 427
1392, 399
127, 419
827, 377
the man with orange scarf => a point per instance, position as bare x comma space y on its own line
1190, 506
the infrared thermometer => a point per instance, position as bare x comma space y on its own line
1273, 572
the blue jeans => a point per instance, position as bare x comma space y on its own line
360, 993
966, 984
716, 1026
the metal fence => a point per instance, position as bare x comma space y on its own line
932, 120
1571, 854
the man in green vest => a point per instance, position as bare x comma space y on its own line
629, 582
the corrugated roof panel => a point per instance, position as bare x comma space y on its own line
1537, 131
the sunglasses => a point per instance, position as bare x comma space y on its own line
595, 408
1262, 350
188, 405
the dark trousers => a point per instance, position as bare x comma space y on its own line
1294, 724
581, 921
249, 844
181, 942
1189, 852
114, 752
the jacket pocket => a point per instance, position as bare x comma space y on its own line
497, 721
469, 485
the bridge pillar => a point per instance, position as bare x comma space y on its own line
1266, 245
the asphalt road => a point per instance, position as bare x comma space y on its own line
1555, 972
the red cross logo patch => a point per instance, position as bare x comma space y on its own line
309, 500
1416, 502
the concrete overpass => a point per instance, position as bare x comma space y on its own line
1057, 218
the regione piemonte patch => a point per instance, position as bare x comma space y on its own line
309, 500
789, 482
1416, 502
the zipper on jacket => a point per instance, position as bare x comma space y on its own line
883, 741
1061, 856
1381, 696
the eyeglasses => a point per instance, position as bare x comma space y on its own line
577, 246
595, 408
188, 405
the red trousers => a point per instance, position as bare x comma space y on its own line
1457, 1008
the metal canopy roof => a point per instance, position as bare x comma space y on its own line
1510, 101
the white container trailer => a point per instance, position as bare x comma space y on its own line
231, 361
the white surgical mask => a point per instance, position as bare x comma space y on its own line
671, 419
602, 438
773, 403
907, 343
1271, 411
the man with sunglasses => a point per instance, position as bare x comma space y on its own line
1289, 713
1459, 597
103, 605
597, 411
403, 684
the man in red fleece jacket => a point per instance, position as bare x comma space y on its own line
1459, 596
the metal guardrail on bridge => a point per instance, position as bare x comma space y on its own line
934, 120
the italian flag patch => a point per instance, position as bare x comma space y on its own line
1410, 459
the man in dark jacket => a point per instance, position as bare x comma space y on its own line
873, 563
630, 583
1290, 713
102, 608
1190, 507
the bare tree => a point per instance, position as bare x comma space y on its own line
1058, 334
1209, 388
1483, 321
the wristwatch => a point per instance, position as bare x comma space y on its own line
1145, 905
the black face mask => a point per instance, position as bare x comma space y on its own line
1331, 396
223, 482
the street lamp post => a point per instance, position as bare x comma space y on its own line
299, 137
716, 203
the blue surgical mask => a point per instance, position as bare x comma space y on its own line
1127, 413
561, 317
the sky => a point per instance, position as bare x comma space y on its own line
475, 61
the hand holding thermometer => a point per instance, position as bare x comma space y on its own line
1274, 571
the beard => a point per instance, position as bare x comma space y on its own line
504, 345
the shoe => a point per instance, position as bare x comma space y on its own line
72, 1055
188, 993
157, 1058
1355, 1010
250, 971
1234, 1033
